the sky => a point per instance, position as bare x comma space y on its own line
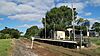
22, 14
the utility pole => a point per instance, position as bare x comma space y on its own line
45, 28
73, 22
54, 31
88, 36
81, 39
87, 31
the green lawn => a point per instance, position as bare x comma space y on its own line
95, 40
5, 45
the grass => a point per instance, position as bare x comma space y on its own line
97, 50
95, 40
5, 45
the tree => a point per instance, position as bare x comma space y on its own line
80, 20
10, 33
58, 18
96, 26
41, 32
82, 24
32, 31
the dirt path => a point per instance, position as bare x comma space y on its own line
22, 49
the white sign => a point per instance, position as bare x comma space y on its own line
32, 42
87, 33
33, 38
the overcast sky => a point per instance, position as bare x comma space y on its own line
22, 14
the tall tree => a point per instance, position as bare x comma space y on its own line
58, 18
96, 26
80, 20
32, 31
82, 23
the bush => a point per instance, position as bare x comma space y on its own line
5, 36
2, 36
10, 33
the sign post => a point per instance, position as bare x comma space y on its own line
32, 42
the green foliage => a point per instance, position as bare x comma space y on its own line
32, 31
81, 28
79, 21
41, 32
4, 36
9, 33
61, 17
58, 18
96, 26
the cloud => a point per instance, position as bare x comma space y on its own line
26, 17
92, 21
27, 10
1, 19
22, 9
24, 26
11, 8
30, 25
78, 6
42, 4
88, 14
18, 1
95, 2
23, 1
7, 8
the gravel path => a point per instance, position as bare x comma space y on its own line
22, 49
